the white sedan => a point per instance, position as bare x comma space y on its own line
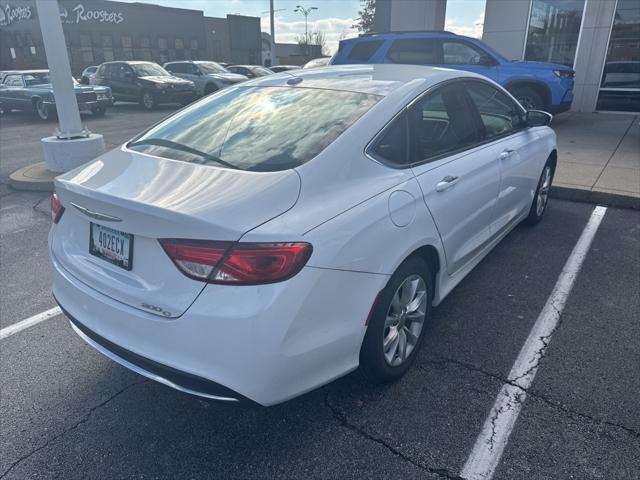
273, 237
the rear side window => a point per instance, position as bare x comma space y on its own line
177, 68
262, 129
500, 115
415, 51
392, 146
442, 123
363, 51
459, 53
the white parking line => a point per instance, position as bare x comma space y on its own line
29, 322
493, 438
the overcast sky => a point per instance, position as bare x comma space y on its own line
333, 17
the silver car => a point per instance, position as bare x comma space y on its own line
208, 77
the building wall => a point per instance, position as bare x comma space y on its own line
592, 52
100, 30
505, 26
403, 15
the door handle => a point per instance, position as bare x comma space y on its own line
446, 183
506, 153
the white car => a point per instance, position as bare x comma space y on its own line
274, 236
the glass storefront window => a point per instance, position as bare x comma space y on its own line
620, 85
554, 27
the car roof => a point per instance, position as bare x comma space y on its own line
21, 72
377, 79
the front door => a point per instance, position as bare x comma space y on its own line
460, 181
513, 144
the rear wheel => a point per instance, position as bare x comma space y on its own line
147, 100
529, 98
396, 329
42, 110
541, 197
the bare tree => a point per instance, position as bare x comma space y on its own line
367, 11
315, 38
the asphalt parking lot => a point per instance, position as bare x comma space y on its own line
68, 412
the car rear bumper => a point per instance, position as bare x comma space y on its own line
265, 343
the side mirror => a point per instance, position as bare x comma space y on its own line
486, 61
538, 118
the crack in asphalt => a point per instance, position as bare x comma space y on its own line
341, 417
442, 360
35, 209
84, 419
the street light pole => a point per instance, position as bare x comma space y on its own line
305, 12
72, 144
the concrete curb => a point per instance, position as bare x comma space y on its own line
595, 197
34, 177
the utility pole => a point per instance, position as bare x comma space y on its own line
274, 59
305, 12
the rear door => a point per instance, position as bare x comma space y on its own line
515, 147
12, 92
459, 179
463, 55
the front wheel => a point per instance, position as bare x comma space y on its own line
98, 111
148, 101
541, 197
396, 329
528, 98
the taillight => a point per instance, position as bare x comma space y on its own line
56, 208
237, 263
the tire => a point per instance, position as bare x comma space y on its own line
529, 98
43, 111
147, 100
98, 111
392, 321
210, 88
541, 198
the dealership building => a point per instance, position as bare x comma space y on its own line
600, 39
98, 31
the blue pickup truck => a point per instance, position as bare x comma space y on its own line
536, 85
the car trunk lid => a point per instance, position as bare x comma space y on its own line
152, 198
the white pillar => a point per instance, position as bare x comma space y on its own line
70, 125
73, 145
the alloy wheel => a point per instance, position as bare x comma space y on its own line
543, 192
527, 102
147, 100
405, 320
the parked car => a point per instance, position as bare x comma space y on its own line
230, 256
536, 85
317, 62
144, 82
250, 71
284, 68
87, 74
208, 77
31, 90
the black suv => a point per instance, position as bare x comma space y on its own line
144, 82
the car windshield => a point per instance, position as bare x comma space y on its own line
31, 79
261, 71
250, 128
149, 70
211, 67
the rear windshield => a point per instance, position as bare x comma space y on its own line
261, 129
363, 51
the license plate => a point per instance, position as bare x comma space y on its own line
111, 245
